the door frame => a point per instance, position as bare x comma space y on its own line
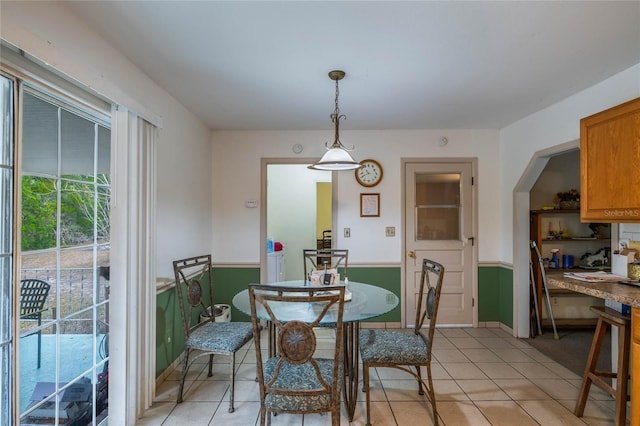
521, 232
474, 220
264, 163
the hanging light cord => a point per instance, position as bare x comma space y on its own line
335, 119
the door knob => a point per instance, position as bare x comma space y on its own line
411, 254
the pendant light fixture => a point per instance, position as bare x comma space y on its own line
337, 156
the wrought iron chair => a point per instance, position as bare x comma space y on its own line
193, 278
406, 349
294, 381
319, 259
33, 295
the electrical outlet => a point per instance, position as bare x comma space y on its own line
390, 231
554, 301
168, 339
347, 232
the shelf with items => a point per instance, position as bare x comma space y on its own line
584, 245
562, 230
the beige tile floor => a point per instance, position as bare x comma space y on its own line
482, 376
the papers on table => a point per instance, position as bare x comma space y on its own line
594, 277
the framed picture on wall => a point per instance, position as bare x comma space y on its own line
369, 205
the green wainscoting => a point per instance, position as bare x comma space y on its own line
228, 282
388, 278
169, 333
495, 294
495, 301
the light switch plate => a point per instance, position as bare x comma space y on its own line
390, 231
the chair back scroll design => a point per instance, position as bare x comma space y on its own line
407, 350
295, 380
317, 259
33, 296
429, 297
191, 275
193, 279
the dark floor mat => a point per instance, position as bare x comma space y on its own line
572, 348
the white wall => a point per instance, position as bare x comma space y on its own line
236, 166
553, 126
55, 36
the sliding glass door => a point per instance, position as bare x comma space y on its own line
55, 346
64, 349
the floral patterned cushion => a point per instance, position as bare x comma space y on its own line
222, 337
298, 377
392, 346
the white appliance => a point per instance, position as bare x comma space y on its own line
275, 266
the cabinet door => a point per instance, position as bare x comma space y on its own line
610, 164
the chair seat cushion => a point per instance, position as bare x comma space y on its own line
296, 378
222, 337
392, 346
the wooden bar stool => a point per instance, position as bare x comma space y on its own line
608, 317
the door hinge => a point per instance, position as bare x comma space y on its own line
473, 240
473, 302
472, 180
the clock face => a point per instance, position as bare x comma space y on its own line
370, 174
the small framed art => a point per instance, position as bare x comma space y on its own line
369, 205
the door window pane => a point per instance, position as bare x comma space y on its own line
77, 213
39, 383
437, 206
39, 136
78, 140
39, 213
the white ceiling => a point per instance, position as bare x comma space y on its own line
410, 65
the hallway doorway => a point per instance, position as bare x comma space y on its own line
293, 211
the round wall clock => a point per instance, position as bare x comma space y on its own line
370, 174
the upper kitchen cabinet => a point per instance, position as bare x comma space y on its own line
610, 165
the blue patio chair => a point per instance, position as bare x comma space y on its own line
406, 350
193, 277
33, 295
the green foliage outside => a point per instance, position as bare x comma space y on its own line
83, 205
38, 213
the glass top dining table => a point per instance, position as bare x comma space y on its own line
367, 301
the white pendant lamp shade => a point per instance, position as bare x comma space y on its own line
336, 158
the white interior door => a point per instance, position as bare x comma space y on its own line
439, 225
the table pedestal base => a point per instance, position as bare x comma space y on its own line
351, 349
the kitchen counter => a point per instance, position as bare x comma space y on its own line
624, 293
